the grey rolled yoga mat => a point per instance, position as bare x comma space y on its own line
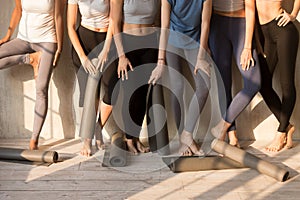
28, 155
250, 160
117, 151
197, 163
157, 128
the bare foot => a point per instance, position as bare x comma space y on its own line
184, 150
35, 62
100, 145
33, 144
86, 147
186, 138
233, 140
278, 142
220, 130
289, 139
131, 146
141, 148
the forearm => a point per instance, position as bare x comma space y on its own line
296, 8
59, 24
206, 15
250, 22
15, 19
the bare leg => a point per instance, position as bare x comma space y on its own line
186, 139
278, 143
35, 61
105, 111
86, 148
289, 139
233, 140
220, 130
33, 144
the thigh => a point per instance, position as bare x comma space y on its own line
14, 47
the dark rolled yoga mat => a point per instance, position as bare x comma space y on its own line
28, 155
117, 152
158, 129
197, 163
250, 160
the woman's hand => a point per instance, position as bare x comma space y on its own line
88, 65
202, 65
102, 58
284, 18
157, 72
56, 57
246, 59
122, 67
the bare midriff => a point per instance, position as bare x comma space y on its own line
138, 29
268, 10
100, 30
236, 13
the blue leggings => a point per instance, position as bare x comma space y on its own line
227, 38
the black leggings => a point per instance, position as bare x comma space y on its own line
89, 41
135, 89
281, 45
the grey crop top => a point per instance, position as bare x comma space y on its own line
140, 11
228, 5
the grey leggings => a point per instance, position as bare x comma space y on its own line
17, 52
178, 61
227, 38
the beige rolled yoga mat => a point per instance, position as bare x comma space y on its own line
117, 152
196, 163
28, 155
249, 160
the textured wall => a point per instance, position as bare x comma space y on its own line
17, 97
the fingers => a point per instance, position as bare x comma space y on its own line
89, 67
195, 71
283, 18
56, 57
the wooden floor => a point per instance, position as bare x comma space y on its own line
145, 178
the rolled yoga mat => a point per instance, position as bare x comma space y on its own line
28, 155
249, 160
88, 120
117, 152
158, 129
196, 163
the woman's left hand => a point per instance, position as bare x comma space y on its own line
56, 57
246, 59
284, 18
203, 65
102, 60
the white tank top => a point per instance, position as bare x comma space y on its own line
94, 13
228, 5
37, 21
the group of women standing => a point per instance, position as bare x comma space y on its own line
190, 30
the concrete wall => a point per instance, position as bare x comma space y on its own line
17, 97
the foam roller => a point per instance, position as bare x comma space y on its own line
196, 163
28, 155
117, 156
250, 160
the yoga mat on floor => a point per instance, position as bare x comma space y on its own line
196, 163
28, 155
250, 160
158, 128
117, 152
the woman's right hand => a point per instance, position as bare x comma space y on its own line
157, 72
88, 65
122, 67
